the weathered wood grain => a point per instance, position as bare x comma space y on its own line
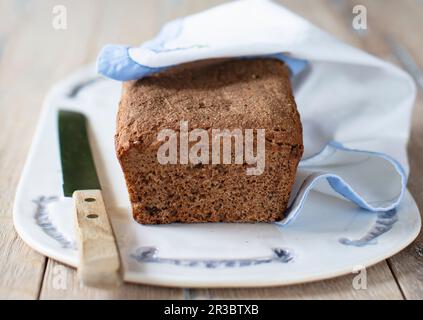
380, 285
61, 282
396, 23
33, 56
99, 261
21, 268
407, 265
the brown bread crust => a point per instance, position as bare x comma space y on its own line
246, 94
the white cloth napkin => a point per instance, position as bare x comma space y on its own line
355, 108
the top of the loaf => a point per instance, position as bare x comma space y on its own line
228, 94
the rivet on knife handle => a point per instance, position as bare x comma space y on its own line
99, 264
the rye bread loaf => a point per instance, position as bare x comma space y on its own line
241, 93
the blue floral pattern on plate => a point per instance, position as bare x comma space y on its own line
384, 222
149, 255
43, 220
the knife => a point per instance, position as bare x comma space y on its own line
99, 263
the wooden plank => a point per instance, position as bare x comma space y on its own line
398, 26
21, 268
61, 282
137, 21
380, 285
99, 261
407, 265
34, 56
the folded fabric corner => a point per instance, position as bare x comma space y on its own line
373, 181
114, 62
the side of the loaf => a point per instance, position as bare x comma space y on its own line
230, 95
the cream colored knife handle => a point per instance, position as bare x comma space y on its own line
99, 263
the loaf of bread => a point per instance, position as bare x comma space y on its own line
229, 94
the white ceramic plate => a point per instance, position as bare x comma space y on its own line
330, 238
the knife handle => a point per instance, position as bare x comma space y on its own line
99, 263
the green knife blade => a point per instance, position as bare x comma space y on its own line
78, 168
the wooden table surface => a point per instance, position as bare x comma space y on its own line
33, 56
